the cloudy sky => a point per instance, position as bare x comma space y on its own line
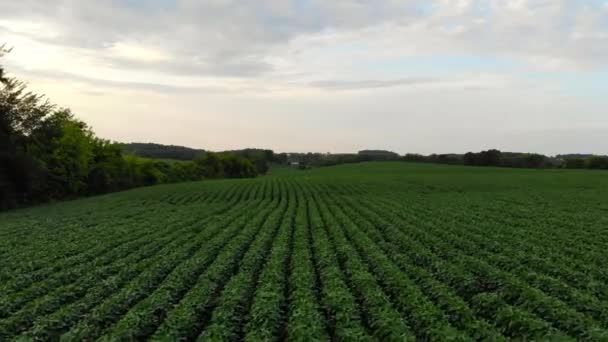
317, 75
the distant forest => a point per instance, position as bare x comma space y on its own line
261, 158
157, 151
490, 157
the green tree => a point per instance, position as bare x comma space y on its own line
574, 163
151, 173
211, 165
106, 170
21, 112
597, 162
237, 167
534, 160
64, 147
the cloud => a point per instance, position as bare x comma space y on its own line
96, 83
242, 39
489, 61
367, 84
232, 35
138, 52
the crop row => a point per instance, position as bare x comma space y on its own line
303, 258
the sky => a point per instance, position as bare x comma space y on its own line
434, 76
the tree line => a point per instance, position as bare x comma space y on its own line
498, 158
47, 154
492, 157
260, 158
307, 160
158, 151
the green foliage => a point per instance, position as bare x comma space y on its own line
377, 155
307, 160
597, 162
158, 151
107, 169
574, 163
225, 165
373, 251
483, 158
586, 162
259, 158
64, 147
492, 157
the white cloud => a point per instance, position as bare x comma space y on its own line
138, 52
517, 5
234, 38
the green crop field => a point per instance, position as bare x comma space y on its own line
372, 251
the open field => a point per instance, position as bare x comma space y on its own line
373, 251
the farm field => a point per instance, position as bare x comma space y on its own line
370, 252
